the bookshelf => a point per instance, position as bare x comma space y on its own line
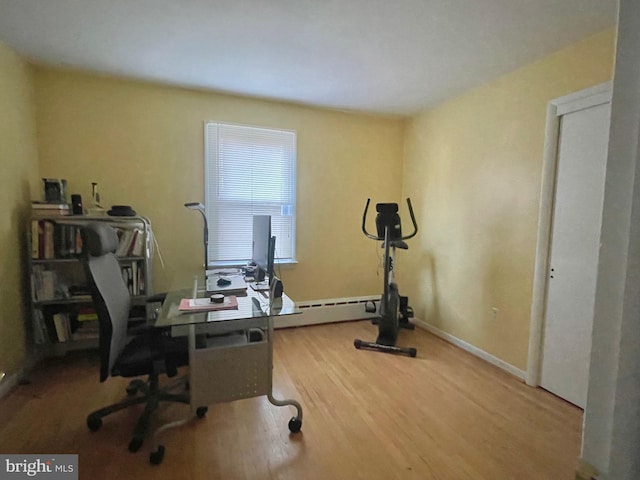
63, 317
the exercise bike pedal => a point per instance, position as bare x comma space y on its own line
370, 306
406, 324
406, 312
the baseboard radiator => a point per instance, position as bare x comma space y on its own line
329, 310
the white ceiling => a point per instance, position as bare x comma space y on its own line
382, 56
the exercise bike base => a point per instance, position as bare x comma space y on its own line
381, 347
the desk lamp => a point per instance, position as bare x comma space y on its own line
200, 208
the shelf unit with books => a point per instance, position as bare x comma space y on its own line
63, 316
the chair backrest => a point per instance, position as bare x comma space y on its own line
108, 290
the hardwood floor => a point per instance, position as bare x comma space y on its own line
443, 415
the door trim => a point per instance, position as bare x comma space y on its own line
574, 102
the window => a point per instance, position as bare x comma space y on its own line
249, 171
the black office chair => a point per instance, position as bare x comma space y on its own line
124, 352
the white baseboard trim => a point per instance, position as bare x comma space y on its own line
487, 357
315, 312
7, 383
22, 375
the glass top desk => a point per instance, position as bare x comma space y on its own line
251, 305
230, 351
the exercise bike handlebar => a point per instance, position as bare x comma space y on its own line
374, 237
413, 220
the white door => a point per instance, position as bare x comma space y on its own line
575, 242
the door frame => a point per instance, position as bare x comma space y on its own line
587, 98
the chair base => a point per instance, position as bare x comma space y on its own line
151, 396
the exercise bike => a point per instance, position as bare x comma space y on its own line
394, 312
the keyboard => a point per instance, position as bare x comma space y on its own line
237, 284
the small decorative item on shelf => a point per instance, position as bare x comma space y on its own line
95, 195
54, 190
121, 211
96, 208
76, 204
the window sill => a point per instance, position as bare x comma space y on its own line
241, 264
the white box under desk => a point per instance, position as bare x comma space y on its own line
228, 360
230, 351
230, 368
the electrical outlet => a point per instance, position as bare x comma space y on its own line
495, 311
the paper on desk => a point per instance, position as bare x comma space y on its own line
205, 304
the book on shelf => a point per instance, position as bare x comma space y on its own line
35, 236
50, 240
81, 298
86, 332
48, 251
45, 209
87, 314
49, 279
62, 326
133, 277
131, 243
40, 333
36, 205
135, 287
43, 283
137, 246
85, 329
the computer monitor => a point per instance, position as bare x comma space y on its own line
261, 243
271, 258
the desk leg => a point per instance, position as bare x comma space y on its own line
157, 454
295, 424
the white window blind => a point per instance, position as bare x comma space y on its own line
249, 171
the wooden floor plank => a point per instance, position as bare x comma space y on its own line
443, 415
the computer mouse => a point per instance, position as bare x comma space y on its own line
223, 282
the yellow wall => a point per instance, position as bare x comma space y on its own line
19, 174
143, 144
473, 169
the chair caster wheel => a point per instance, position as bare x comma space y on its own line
94, 423
156, 457
135, 444
295, 424
201, 411
134, 387
413, 352
357, 343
